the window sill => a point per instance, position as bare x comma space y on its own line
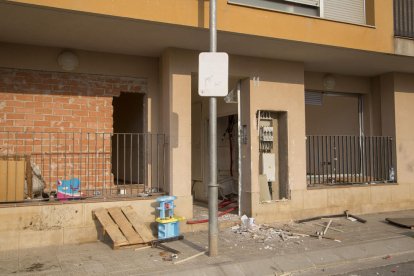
404, 37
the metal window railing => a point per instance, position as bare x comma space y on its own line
33, 165
349, 160
404, 18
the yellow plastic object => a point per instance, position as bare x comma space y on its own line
169, 220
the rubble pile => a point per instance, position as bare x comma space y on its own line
264, 233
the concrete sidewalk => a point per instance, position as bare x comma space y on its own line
240, 254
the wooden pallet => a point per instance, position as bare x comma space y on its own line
124, 226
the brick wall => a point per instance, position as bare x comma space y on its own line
55, 117
54, 102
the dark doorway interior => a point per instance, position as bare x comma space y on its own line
128, 113
128, 142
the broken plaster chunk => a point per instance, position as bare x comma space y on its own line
235, 228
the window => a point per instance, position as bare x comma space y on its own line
404, 18
304, 7
352, 11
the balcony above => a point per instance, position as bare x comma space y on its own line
30, 25
329, 26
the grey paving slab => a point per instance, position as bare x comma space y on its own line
402, 244
293, 262
326, 257
351, 252
260, 267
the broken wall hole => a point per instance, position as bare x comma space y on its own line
228, 174
128, 117
227, 149
273, 155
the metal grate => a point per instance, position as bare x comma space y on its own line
104, 164
404, 18
349, 160
313, 98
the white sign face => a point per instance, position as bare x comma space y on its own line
213, 74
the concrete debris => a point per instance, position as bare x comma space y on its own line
352, 219
402, 222
327, 227
331, 228
191, 257
344, 214
320, 236
248, 223
263, 233
168, 257
236, 227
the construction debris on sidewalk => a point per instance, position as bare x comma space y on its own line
402, 222
271, 236
344, 214
264, 233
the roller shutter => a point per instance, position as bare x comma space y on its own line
352, 11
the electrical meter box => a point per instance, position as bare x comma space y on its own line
266, 134
272, 134
268, 166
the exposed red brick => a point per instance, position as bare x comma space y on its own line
79, 98
14, 116
62, 112
41, 123
45, 111
24, 109
80, 113
35, 117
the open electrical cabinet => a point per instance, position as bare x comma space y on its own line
273, 155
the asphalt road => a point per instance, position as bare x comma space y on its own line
401, 269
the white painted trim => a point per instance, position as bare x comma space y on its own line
322, 8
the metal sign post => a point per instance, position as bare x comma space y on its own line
213, 75
213, 187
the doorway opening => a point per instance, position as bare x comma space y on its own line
129, 141
227, 150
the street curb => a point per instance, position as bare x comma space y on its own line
306, 263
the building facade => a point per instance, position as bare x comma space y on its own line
106, 92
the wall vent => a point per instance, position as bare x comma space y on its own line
313, 98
